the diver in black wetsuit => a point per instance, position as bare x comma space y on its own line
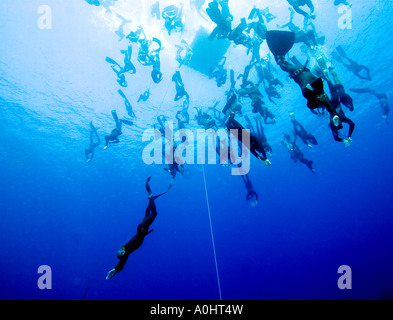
145, 96
174, 167
222, 18
251, 90
252, 196
142, 232
312, 86
134, 36
239, 37
128, 65
296, 153
90, 151
308, 37
128, 105
382, 98
256, 146
181, 120
173, 18
219, 73
184, 53
280, 43
121, 78
335, 129
299, 131
270, 82
180, 91
296, 4
260, 133
356, 68
114, 136
337, 91
204, 119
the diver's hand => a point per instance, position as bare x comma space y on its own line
268, 163
347, 142
111, 274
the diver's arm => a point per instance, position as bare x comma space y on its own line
118, 268
262, 158
336, 136
351, 127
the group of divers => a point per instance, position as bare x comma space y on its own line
250, 33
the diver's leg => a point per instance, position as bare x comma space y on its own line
94, 130
229, 104
115, 117
362, 90
150, 214
312, 139
87, 154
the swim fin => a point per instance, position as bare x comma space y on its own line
115, 117
111, 61
341, 51
158, 41
122, 94
253, 13
127, 122
280, 42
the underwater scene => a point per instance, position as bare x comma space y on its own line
196, 150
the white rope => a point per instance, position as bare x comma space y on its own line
211, 232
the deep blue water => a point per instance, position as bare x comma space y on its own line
60, 211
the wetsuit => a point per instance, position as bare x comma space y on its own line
90, 151
339, 96
142, 232
296, 154
251, 193
256, 146
316, 97
343, 119
296, 4
114, 136
306, 137
180, 91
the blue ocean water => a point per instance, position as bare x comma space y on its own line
73, 216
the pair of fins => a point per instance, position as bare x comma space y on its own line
116, 118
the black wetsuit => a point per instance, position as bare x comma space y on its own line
251, 193
297, 155
343, 119
173, 18
316, 98
142, 232
221, 18
114, 136
339, 96
256, 145
93, 145
299, 130
296, 4
180, 91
